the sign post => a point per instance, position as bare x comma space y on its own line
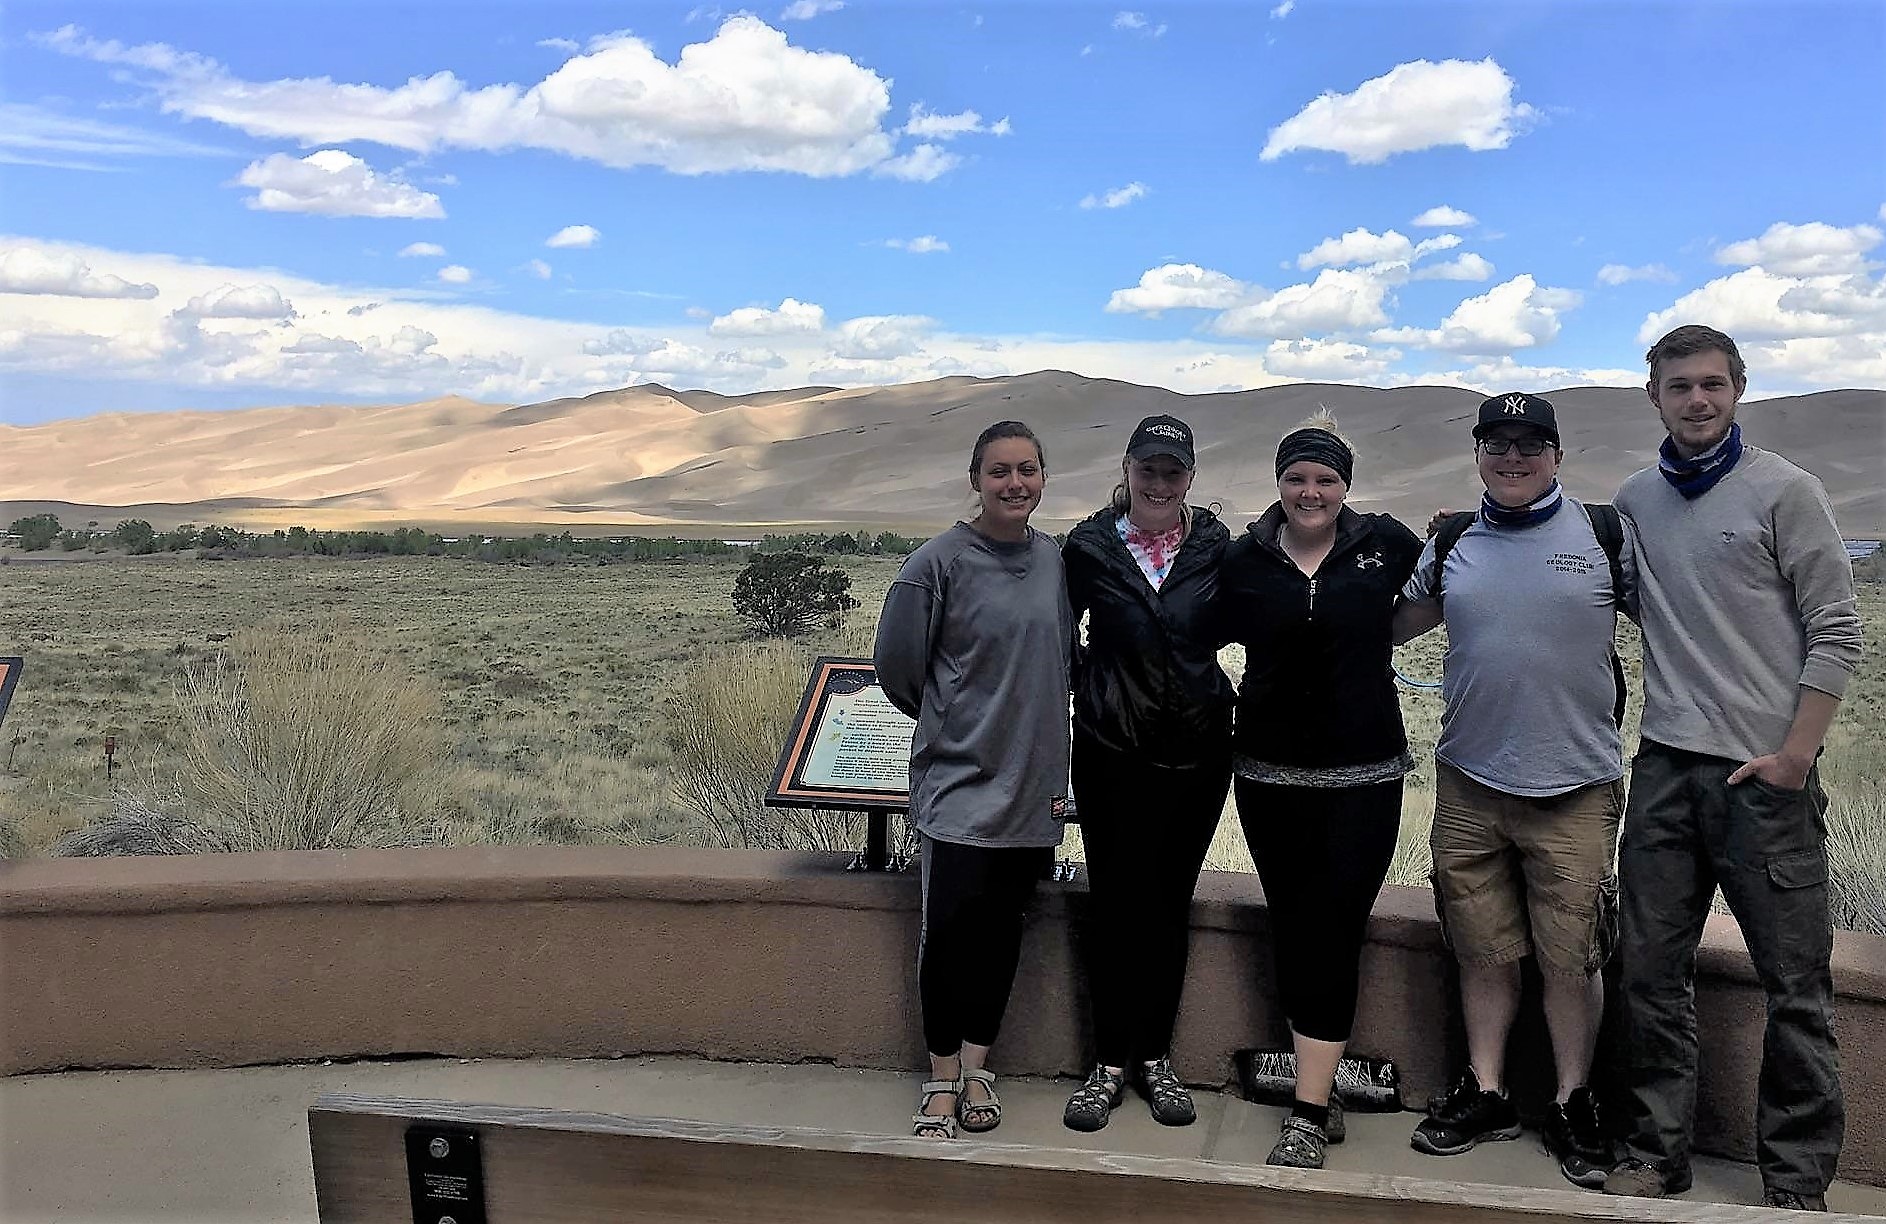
848, 750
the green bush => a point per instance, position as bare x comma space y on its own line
781, 594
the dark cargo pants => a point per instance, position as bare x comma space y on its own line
1685, 831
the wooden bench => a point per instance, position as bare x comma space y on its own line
543, 1165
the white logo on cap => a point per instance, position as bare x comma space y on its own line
1166, 431
1515, 405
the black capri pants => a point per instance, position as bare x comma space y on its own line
974, 901
1322, 854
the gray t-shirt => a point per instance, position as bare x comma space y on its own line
974, 643
1528, 680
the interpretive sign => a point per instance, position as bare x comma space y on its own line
849, 747
445, 1173
9, 676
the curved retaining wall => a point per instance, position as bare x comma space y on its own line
224, 960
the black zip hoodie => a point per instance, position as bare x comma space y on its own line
1319, 686
1148, 682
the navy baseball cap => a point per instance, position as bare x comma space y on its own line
1517, 409
1161, 435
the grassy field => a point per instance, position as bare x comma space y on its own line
553, 691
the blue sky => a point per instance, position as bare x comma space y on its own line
219, 204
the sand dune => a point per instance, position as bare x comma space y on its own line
879, 457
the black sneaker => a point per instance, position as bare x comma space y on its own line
1575, 1134
1643, 1179
1794, 1202
1466, 1116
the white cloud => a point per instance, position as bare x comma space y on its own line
1339, 299
789, 318
1329, 360
561, 44
922, 164
924, 245
745, 99
416, 250
927, 125
455, 274
1362, 246
1757, 304
1516, 314
1179, 287
333, 183
574, 236
32, 270
1118, 197
670, 359
1443, 216
1129, 21
1814, 249
1467, 267
240, 302
1503, 373
1623, 274
37, 136
879, 337
537, 268
1283, 10
806, 10
1414, 106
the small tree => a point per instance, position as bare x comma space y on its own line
780, 594
134, 536
36, 532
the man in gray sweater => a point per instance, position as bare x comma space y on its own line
1751, 631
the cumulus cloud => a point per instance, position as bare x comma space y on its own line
574, 236
1814, 249
1442, 216
34, 270
880, 337
1516, 314
537, 268
1329, 360
1758, 304
1466, 267
806, 10
923, 164
1339, 299
927, 125
416, 250
670, 359
240, 302
790, 317
1623, 274
1414, 106
1283, 10
925, 244
455, 274
1179, 287
744, 100
1118, 197
333, 183
1503, 373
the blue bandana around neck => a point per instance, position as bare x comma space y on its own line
1538, 510
1696, 476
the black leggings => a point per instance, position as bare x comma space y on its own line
974, 899
1146, 830
1322, 853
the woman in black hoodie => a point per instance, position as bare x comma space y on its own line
1152, 758
1310, 590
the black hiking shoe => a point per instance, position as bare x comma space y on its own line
1794, 1202
1466, 1116
1574, 1134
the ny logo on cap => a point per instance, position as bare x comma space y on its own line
1515, 405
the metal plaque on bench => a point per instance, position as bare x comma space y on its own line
446, 1172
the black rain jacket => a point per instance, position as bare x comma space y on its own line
1319, 685
1147, 682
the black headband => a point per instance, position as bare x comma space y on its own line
1317, 446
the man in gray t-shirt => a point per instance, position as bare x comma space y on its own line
1528, 775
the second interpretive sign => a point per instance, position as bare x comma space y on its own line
849, 746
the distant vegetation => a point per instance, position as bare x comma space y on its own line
784, 594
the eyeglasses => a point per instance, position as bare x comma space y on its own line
1529, 447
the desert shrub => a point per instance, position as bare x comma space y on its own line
36, 531
291, 740
728, 721
1856, 857
781, 594
12, 842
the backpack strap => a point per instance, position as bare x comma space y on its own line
1445, 537
1608, 526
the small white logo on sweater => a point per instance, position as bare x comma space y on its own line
1369, 561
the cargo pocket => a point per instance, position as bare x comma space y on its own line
1802, 929
1803, 870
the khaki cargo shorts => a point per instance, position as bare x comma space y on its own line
1514, 875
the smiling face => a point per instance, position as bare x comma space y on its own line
1514, 479
1312, 494
1696, 397
1008, 486
1156, 486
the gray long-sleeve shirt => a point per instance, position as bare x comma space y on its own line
1747, 597
974, 644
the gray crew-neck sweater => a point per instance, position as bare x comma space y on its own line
974, 643
1746, 596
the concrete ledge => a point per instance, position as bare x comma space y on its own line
226, 960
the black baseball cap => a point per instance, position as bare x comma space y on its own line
1518, 409
1161, 435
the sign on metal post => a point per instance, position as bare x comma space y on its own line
848, 750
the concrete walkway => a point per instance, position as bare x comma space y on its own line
213, 1146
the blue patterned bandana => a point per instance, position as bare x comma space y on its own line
1538, 510
1696, 476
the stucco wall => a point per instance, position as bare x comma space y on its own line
222, 960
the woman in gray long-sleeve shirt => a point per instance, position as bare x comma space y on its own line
974, 644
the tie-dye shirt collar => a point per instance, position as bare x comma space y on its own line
1153, 550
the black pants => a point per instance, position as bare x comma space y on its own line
1146, 830
974, 898
1322, 853
1686, 830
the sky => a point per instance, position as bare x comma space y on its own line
220, 204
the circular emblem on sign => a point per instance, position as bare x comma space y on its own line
439, 1148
